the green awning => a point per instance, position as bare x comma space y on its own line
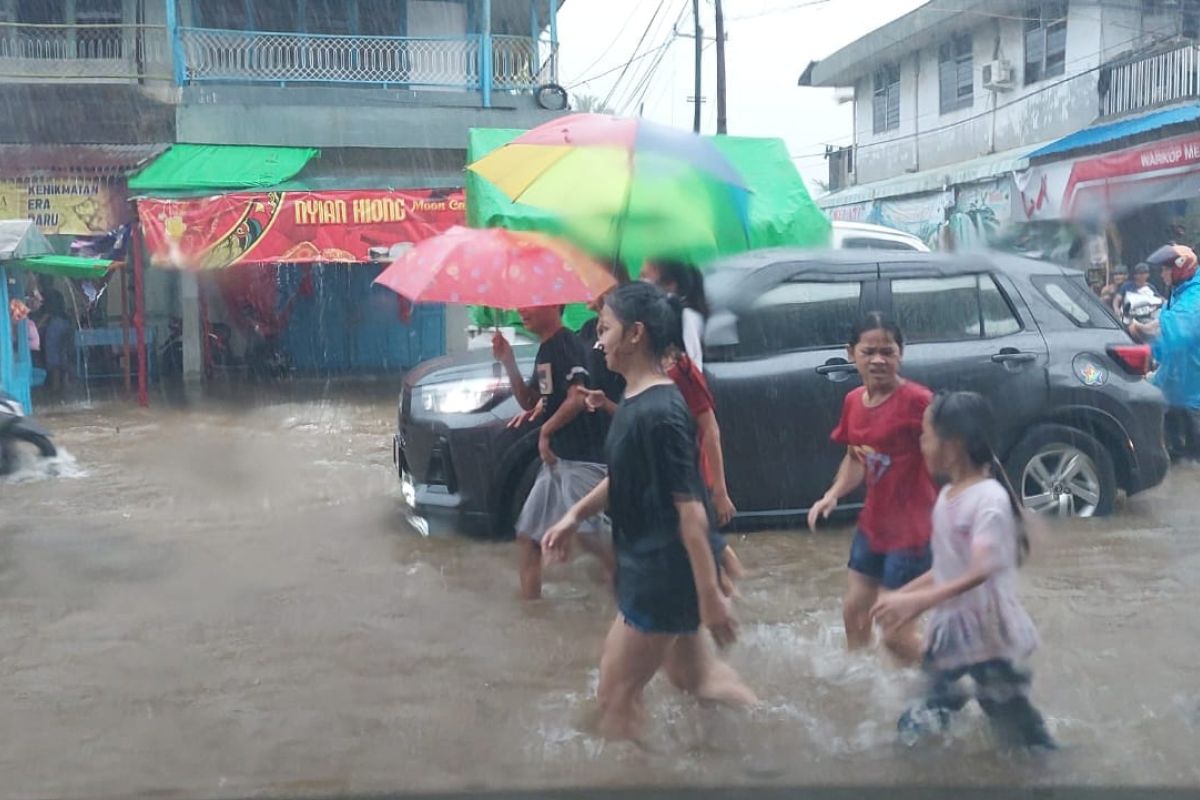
62, 266
205, 167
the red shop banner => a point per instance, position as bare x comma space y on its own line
294, 227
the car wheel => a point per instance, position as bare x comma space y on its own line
1063, 472
520, 493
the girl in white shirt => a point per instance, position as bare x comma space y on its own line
685, 282
977, 625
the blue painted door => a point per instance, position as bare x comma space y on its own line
346, 324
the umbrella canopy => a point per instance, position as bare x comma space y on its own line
77, 267
20, 238
627, 188
496, 267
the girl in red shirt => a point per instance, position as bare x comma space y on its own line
881, 428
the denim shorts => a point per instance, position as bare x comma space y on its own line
890, 570
656, 592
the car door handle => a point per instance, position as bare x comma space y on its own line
835, 369
1014, 358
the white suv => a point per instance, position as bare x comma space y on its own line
862, 236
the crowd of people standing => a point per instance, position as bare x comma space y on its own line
632, 472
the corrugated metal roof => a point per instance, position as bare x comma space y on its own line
1122, 129
18, 160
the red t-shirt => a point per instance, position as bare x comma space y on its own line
900, 493
690, 381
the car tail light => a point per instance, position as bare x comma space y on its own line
1134, 358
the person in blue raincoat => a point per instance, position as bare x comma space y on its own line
1175, 342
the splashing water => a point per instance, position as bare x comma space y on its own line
31, 468
239, 586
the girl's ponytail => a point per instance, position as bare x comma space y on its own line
967, 416
1019, 512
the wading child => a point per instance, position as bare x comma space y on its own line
881, 428
666, 578
977, 627
571, 451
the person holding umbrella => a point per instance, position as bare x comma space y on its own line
537, 274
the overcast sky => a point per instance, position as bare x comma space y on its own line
769, 44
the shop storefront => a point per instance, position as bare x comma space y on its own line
295, 269
1131, 200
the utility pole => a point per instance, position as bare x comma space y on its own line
699, 59
722, 121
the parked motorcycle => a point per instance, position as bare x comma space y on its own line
219, 352
18, 433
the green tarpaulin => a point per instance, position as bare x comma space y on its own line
204, 167
782, 213
62, 266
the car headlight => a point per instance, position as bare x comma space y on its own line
461, 397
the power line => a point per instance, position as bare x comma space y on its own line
783, 10
645, 85
623, 93
649, 77
600, 58
636, 47
652, 51
652, 67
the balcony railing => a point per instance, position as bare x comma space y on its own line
84, 52
1150, 80
106, 52
446, 62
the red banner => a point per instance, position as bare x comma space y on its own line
1111, 183
295, 227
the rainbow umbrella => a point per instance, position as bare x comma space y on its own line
627, 188
498, 268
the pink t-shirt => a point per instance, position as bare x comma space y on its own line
987, 622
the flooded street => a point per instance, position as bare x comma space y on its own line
226, 600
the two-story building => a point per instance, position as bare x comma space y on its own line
974, 115
385, 90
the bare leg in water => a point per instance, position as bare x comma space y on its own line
693, 666
629, 661
861, 593
529, 568
604, 554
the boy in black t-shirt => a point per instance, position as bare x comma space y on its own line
569, 444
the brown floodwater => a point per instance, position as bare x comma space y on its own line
227, 600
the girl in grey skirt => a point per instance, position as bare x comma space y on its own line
569, 443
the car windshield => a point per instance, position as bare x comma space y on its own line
599, 398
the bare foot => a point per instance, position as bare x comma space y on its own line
723, 685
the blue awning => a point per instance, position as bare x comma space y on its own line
1122, 129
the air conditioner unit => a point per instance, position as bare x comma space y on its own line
998, 76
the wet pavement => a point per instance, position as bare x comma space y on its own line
227, 600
